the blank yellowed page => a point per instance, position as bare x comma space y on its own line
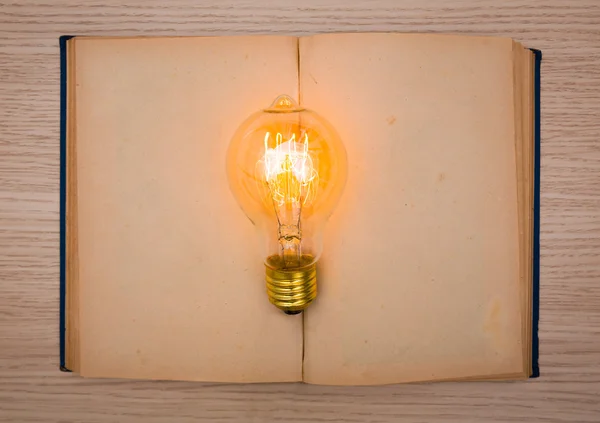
171, 286
419, 279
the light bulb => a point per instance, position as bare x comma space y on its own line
287, 169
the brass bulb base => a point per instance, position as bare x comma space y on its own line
291, 285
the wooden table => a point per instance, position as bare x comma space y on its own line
32, 388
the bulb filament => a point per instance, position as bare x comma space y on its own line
289, 175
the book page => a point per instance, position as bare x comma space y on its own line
524, 144
528, 76
171, 285
71, 247
419, 279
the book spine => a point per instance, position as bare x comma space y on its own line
536, 218
63, 198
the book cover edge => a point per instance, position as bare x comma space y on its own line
535, 372
63, 198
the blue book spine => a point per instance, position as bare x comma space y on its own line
536, 219
63, 196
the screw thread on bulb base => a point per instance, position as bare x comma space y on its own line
291, 289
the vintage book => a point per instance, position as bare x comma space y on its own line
430, 266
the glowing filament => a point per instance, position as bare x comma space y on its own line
288, 171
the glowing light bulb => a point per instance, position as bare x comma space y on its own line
287, 169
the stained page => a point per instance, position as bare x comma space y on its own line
420, 275
171, 285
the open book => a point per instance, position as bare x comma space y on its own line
429, 270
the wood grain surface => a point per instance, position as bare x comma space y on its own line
32, 388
